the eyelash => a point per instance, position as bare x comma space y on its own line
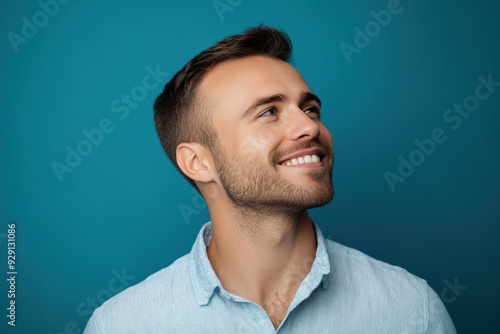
312, 108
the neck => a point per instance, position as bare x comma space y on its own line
256, 256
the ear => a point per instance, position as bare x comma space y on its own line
195, 161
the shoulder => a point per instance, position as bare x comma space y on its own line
390, 292
164, 292
359, 266
168, 280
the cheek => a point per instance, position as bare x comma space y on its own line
325, 135
257, 142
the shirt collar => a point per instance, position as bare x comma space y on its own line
205, 281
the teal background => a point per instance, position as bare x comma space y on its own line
120, 209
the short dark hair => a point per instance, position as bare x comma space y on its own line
178, 115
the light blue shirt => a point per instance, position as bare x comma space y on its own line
345, 291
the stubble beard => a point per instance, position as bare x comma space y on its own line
251, 185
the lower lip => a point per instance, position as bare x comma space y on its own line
307, 165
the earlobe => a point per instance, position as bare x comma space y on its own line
192, 160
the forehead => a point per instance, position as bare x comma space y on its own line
237, 83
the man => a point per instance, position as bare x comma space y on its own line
242, 126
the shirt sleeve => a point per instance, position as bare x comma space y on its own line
93, 326
439, 319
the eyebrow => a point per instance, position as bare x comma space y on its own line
303, 99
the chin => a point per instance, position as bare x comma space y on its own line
323, 200
314, 199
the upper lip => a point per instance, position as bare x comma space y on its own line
316, 150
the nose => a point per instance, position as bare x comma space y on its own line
301, 126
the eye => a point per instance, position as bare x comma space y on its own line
313, 110
269, 112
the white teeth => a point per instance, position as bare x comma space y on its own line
302, 160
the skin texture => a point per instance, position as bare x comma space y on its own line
263, 242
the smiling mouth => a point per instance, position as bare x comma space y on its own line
312, 160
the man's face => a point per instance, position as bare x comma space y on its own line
270, 137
